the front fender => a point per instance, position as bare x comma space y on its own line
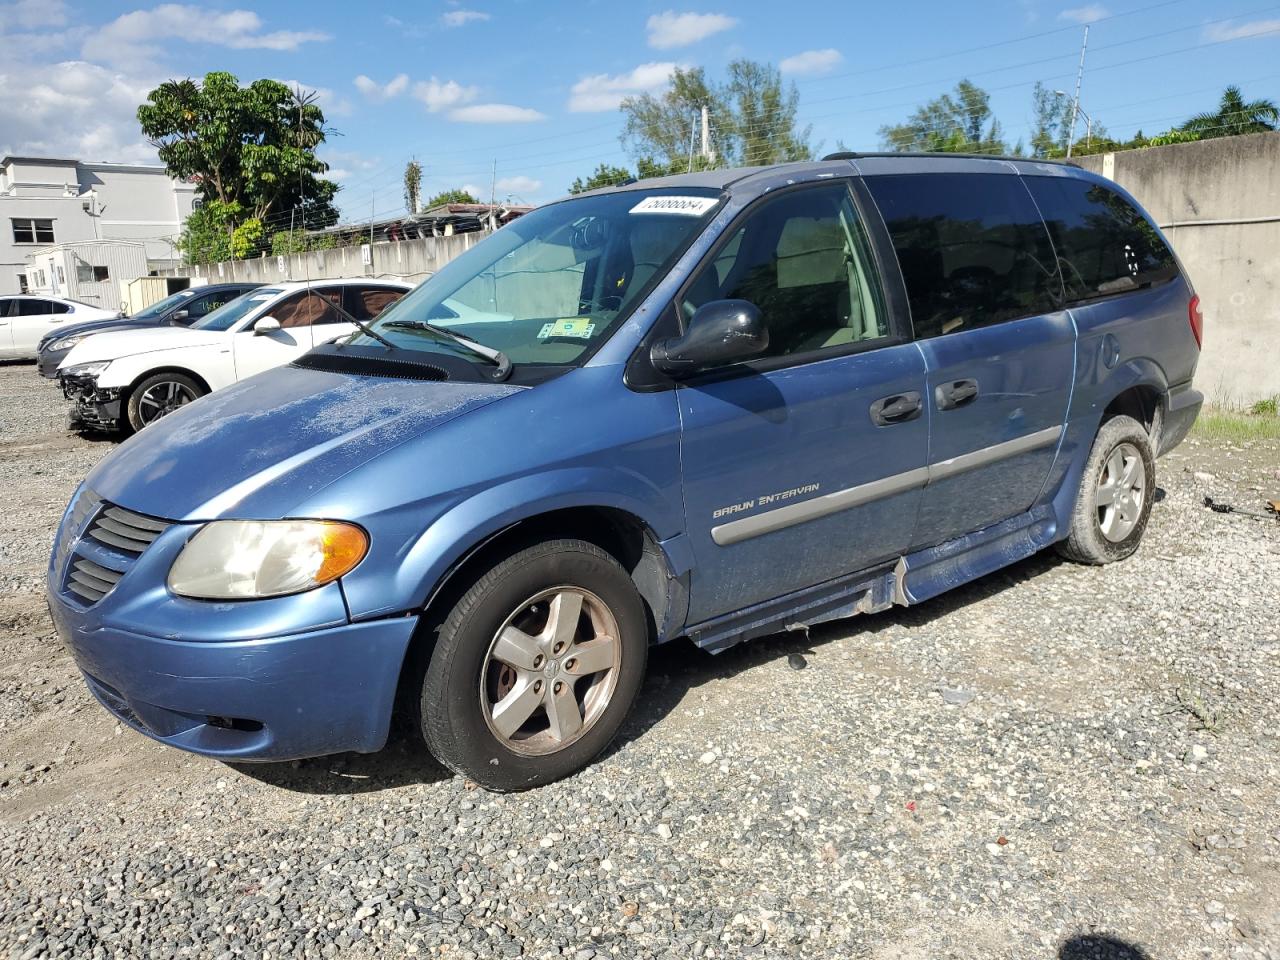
201, 361
410, 581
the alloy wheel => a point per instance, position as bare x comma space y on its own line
550, 671
161, 399
1122, 490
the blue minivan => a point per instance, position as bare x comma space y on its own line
710, 406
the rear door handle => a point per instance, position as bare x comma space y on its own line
957, 393
898, 408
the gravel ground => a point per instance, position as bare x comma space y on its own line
1058, 761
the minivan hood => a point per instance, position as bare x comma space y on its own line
262, 446
126, 343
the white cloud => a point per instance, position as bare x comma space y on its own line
333, 104
140, 35
671, 29
32, 15
518, 185
439, 96
1241, 31
496, 113
812, 61
460, 18
1086, 14
601, 92
73, 109
378, 92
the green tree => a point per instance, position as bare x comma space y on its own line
605, 176
412, 185
206, 234
450, 196
763, 116
252, 146
1234, 116
957, 122
752, 116
1052, 123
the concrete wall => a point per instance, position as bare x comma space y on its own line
412, 260
1218, 202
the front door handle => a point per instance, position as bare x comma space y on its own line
957, 393
898, 408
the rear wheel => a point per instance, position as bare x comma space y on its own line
159, 395
535, 667
1113, 504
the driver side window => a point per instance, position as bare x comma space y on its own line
308, 308
803, 259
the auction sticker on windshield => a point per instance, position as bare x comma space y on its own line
576, 327
686, 206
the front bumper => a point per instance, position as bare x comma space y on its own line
47, 362
92, 406
280, 698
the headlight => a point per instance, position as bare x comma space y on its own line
85, 369
66, 343
247, 559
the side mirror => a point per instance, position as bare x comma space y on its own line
264, 326
180, 316
721, 333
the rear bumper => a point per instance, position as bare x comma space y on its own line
281, 698
1182, 406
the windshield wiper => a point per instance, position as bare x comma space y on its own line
492, 354
368, 330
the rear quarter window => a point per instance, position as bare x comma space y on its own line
1105, 246
972, 248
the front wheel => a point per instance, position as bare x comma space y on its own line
535, 667
1117, 489
158, 396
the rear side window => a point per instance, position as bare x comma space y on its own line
365, 303
1105, 246
40, 308
972, 248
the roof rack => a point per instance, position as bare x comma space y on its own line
858, 155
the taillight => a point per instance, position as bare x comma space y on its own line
1197, 320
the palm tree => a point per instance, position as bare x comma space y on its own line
1234, 116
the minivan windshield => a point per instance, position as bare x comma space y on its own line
161, 307
549, 286
227, 315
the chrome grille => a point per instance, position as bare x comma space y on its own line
106, 541
92, 581
125, 529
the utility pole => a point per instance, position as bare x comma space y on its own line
1075, 103
706, 135
493, 197
693, 133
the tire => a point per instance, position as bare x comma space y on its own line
500, 645
1116, 491
158, 395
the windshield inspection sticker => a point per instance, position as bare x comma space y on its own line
578, 327
685, 206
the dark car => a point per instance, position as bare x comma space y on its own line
180, 309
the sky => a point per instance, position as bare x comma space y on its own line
533, 86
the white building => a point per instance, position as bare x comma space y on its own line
45, 201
